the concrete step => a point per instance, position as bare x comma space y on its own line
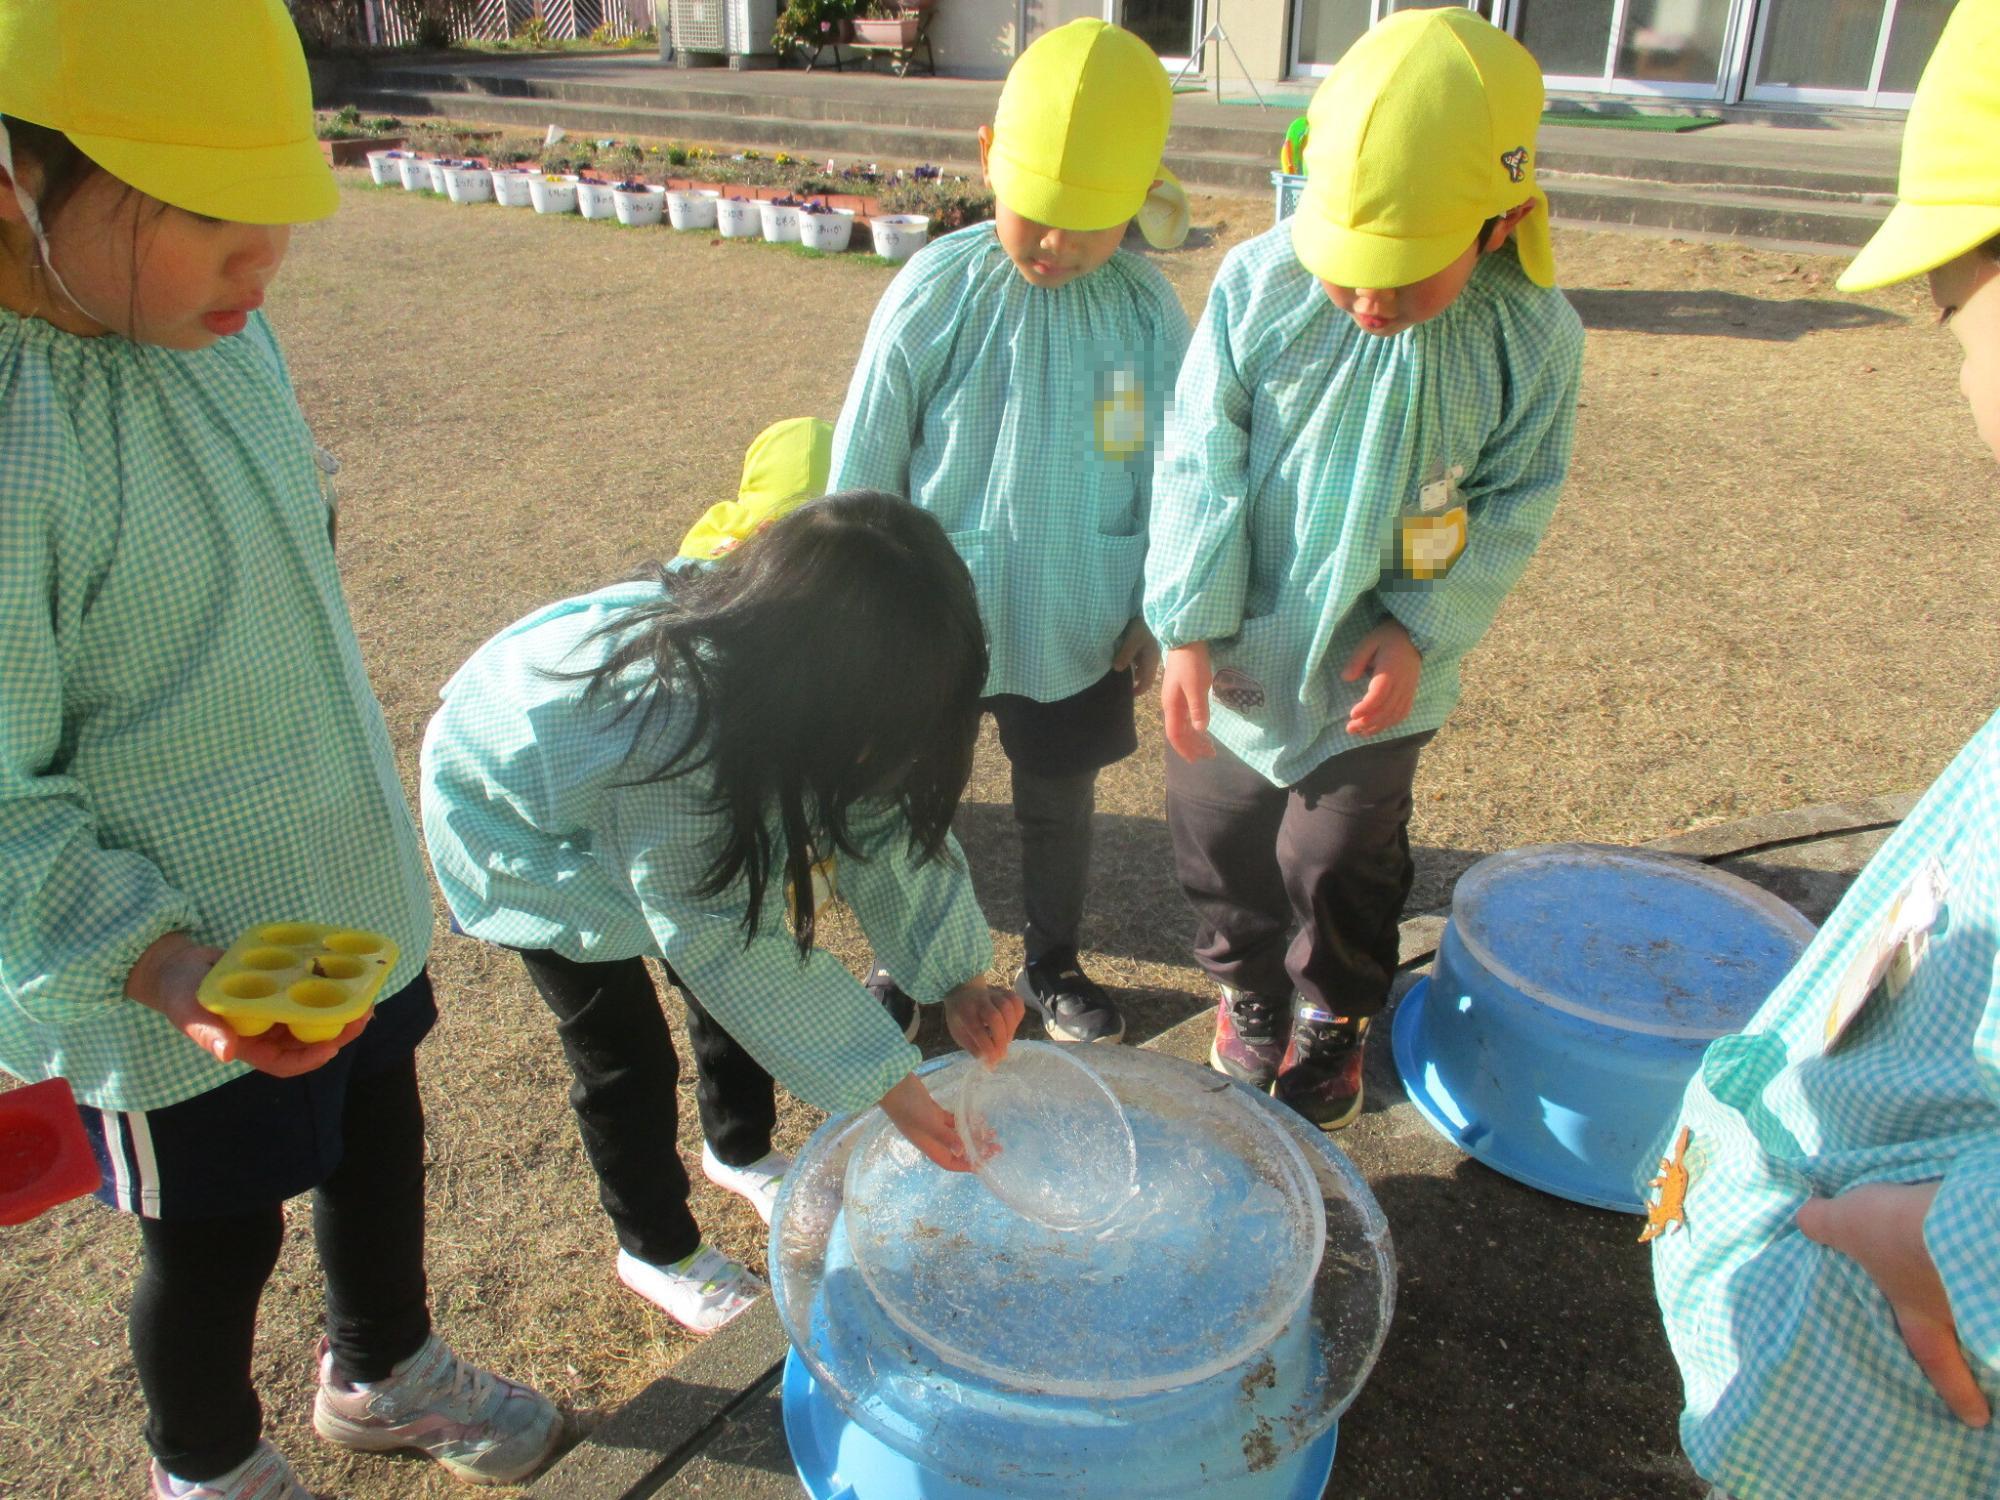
1750, 218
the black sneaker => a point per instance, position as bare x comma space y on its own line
1074, 1006
1250, 1037
1320, 1075
902, 1009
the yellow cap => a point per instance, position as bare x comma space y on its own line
205, 106
786, 466
1949, 188
1080, 128
1422, 132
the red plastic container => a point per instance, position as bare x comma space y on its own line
45, 1158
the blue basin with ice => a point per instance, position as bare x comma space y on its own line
1201, 1343
1575, 989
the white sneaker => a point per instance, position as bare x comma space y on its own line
758, 1182
700, 1293
264, 1475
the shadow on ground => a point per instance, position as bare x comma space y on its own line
1719, 314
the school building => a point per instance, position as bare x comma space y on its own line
1776, 54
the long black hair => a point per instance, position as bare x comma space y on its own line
836, 658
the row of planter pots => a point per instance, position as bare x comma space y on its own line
818, 225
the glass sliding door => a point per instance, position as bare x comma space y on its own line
1843, 51
1678, 48
1323, 29
1169, 27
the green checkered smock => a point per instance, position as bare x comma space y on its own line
1026, 420
540, 839
1296, 447
187, 738
1798, 1383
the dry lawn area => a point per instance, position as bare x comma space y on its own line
1773, 582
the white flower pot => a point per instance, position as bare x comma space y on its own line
828, 231
641, 208
593, 200
382, 167
414, 173
511, 189
781, 222
435, 169
899, 236
468, 184
738, 219
687, 209
552, 195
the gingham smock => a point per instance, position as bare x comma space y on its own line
1295, 441
540, 840
1026, 419
188, 740
1798, 1384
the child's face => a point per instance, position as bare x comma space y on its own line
1965, 291
1387, 311
154, 274
1049, 257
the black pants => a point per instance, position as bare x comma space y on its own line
1298, 888
624, 1071
194, 1310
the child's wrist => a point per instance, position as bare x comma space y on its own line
142, 983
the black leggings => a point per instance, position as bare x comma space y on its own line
194, 1310
625, 1072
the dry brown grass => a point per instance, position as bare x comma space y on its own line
1772, 583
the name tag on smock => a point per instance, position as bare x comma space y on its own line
1884, 965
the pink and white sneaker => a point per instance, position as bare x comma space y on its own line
264, 1475
483, 1428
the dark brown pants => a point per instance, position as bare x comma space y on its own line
1298, 888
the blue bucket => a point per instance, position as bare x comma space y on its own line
1574, 992
839, 1460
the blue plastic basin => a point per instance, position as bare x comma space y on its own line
839, 1460
1574, 991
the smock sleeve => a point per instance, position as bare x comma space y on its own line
809, 1023
1198, 552
882, 418
74, 915
922, 919
1512, 491
1961, 1232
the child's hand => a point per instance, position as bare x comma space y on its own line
982, 1018
925, 1123
1393, 666
1880, 1227
166, 977
1184, 701
1138, 650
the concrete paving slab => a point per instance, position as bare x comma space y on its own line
1526, 1357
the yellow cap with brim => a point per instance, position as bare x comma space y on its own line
1080, 129
204, 106
1948, 191
1424, 130
787, 464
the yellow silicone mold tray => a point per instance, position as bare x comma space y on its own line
311, 978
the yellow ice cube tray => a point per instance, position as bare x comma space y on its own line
307, 976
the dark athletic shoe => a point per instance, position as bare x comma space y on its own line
1250, 1037
902, 1009
1074, 1006
1320, 1075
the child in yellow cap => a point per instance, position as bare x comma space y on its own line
188, 743
1366, 444
653, 770
1832, 1292
1012, 384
